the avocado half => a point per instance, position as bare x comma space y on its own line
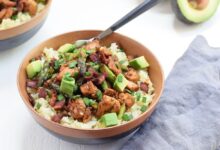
194, 11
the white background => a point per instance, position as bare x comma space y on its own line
157, 29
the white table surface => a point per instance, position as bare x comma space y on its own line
157, 29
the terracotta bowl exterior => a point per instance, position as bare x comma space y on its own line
88, 136
12, 37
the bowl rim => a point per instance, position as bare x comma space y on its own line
35, 17
81, 129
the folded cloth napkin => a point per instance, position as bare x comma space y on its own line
188, 114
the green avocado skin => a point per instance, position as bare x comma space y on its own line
185, 18
178, 13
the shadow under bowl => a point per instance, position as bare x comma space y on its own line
93, 136
15, 36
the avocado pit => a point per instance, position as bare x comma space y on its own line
194, 11
199, 4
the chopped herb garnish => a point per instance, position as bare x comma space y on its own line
96, 67
76, 96
73, 64
56, 64
144, 99
89, 102
127, 117
76, 74
143, 108
14, 17
138, 95
94, 105
38, 105
68, 77
86, 101
104, 85
92, 102
87, 73
89, 52
60, 97
92, 64
67, 74
120, 78
99, 95
33, 59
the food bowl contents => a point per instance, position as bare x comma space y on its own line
16, 12
195, 11
89, 86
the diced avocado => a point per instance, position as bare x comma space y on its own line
104, 85
122, 111
66, 48
110, 119
122, 58
110, 75
120, 83
139, 63
33, 68
194, 11
68, 85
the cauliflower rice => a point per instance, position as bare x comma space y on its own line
20, 19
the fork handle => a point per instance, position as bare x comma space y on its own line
146, 5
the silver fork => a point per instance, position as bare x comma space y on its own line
146, 5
